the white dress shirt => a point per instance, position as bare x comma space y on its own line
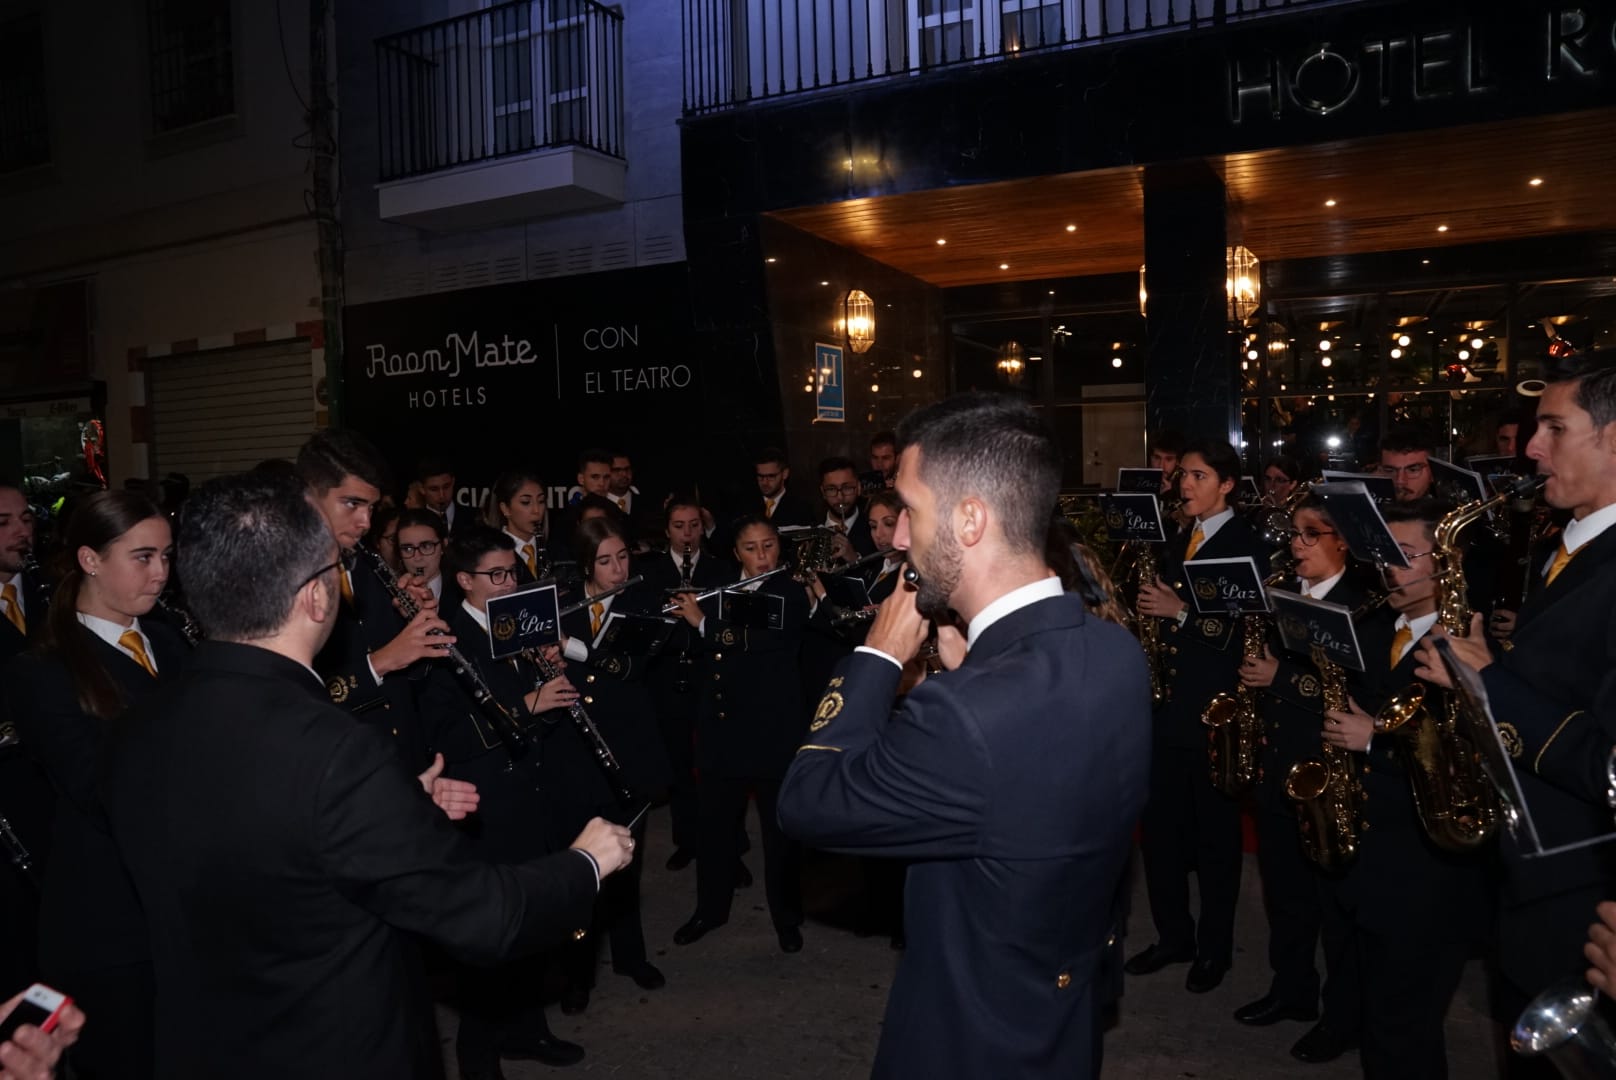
1008, 604
1322, 589
1579, 533
1417, 629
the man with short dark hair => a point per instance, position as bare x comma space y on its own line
436, 477
1012, 781
1554, 686
282, 853
884, 457
595, 473
781, 507
1405, 457
839, 486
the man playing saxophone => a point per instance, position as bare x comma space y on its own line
1407, 910
1291, 709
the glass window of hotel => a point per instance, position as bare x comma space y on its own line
1096, 354
1582, 313
1317, 342
999, 354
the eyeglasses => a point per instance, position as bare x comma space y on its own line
1310, 537
839, 489
499, 575
1412, 555
324, 570
425, 547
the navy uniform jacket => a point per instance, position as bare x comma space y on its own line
1292, 707
89, 917
514, 818
612, 689
752, 715
1202, 657
367, 624
1402, 884
284, 858
1014, 784
663, 678
1564, 650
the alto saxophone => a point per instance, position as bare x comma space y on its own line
1456, 804
1234, 730
1147, 627
1326, 790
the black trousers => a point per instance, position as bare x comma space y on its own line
617, 918
1291, 902
722, 802
500, 1006
1189, 825
120, 999
677, 725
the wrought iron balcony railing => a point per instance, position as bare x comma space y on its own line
509, 79
738, 51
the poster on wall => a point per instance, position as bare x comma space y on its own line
830, 401
529, 374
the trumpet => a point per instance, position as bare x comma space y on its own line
1563, 1024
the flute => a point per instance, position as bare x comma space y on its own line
586, 601
710, 593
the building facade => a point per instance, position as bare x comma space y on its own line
159, 272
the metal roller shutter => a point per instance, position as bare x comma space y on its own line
223, 412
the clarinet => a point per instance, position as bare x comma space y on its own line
17, 850
183, 620
510, 733
589, 733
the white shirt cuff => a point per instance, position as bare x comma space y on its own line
372, 668
701, 627
593, 865
888, 657
576, 651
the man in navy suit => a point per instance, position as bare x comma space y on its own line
1013, 781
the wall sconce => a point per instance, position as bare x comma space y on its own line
1012, 363
1242, 283
859, 311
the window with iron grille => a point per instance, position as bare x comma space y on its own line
24, 131
192, 70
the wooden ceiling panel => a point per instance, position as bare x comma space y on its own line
1391, 193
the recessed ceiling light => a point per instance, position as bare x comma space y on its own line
1329, 202
773, 259
1116, 361
917, 373
1004, 266
1073, 228
1425, 262
941, 241
1441, 228
1051, 292
824, 283
1476, 343
1536, 181
1403, 339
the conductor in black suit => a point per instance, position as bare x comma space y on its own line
281, 851
1013, 781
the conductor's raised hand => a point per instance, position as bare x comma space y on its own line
425, 636
456, 798
611, 845
899, 629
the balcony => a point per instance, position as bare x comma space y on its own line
740, 51
505, 114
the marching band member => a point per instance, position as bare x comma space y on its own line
839, 486
1189, 824
420, 538
750, 721
1291, 709
97, 658
776, 503
516, 505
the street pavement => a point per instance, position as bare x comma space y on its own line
736, 1006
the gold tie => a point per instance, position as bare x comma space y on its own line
13, 609
768, 507
597, 611
1561, 559
530, 555
130, 639
622, 504
1197, 538
1401, 641
347, 586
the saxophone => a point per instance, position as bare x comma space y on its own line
1326, 789
1147, 628
1457, 806
1233, 728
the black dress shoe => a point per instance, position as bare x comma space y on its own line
645, 975
1205, 975
743, 876
574, 1000
1321, 1044
680, 859
1155, 958
693, 930
1271, 1009
790, 938
545, 1049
